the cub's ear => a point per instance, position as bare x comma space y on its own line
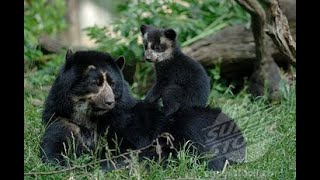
143, 28
120, 61
170, 34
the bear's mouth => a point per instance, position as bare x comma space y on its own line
101, 110
149, 60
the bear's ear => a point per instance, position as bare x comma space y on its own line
120, 61
69, 54
143, 29
170, 34
68, 59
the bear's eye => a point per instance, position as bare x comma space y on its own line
95, 82
82, 100
153, 47
157, 48
163, 47
111, 83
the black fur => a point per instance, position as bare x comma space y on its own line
181, 81
134, 123
58, 102
141, 123
60, 139
212, 132
65, 125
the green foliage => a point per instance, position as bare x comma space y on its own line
143, 78
214, 73
191, 19
218, 85
41, 17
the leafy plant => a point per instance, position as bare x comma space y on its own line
41, 17
191, 19
217, 86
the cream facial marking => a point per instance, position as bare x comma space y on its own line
154, 56
145, 36
101, 89
90, 67
165, 41
87, 142
149, 45
104, 75
103, 99
167, 54
80, 116
104, 90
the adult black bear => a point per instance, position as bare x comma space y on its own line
181, 82
83, 90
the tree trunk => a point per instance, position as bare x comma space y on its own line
233, 48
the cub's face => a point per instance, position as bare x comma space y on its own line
92, 90
158, 43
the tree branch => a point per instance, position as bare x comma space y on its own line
278, 30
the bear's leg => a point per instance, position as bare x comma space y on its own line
153, 94
217, 164
53, 145
110, 165
59, 138
171, 98
50, 152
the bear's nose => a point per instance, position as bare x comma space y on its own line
109, 103
149, 60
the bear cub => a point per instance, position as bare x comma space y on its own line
181, 81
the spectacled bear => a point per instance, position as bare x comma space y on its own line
181, 81
83, 90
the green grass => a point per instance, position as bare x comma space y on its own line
269, 129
